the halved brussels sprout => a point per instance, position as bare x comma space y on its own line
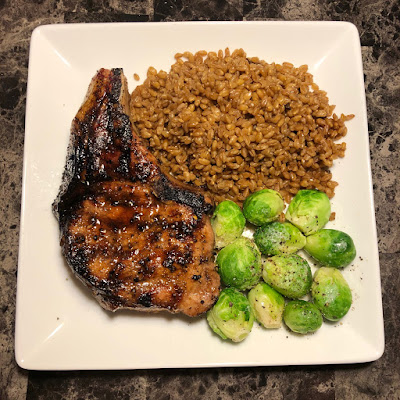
331, 293
302, 316
231, 317
267, 305
263, 206
228, 223
279, 238
239, 264
289, 275
331, 248
309, 210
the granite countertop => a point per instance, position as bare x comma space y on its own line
378, 23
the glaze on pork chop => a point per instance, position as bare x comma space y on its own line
135, 236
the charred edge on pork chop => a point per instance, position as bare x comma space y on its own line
134, 235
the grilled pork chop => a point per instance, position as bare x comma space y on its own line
135, 236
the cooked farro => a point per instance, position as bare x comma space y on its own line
234, 125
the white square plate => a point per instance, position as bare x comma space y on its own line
59, 325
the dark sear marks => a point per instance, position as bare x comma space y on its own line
136, 237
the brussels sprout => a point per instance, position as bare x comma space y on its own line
228, 223
231, 317
289, 275
263, 206
239, 264
331, 293
331, 248
309, 210
267, 305
279, 238
302, 317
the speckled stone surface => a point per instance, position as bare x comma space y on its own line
378, 22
